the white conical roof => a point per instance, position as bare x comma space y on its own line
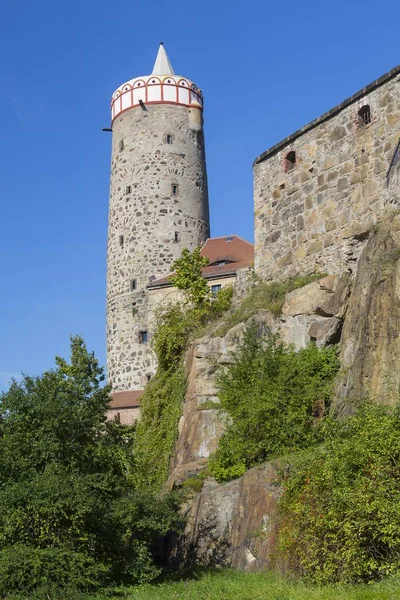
162, 66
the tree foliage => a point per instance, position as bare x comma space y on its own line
274, 397
188, 277
340, 511
67, 499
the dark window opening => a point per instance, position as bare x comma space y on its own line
229, 239
290, 161
148, 377
168, 138
128, 189
143, 336
364, 115
174, 189
121, 145
117, 418
133, 285
176, 237
215, 289
121, 240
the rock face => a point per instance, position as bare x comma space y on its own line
233, 524
370, 345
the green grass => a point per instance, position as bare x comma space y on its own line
234, 585
263, 296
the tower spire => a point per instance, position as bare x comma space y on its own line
162, 66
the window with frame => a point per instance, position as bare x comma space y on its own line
174, 189
128, 189
215, 289
168, 138
364, 115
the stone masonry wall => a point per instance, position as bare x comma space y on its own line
150, 222
315, 216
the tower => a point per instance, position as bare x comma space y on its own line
158, 206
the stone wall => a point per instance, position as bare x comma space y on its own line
158, 206
314, 216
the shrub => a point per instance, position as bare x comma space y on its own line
25, 568
340, 511
274, 397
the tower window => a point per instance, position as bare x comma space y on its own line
364, 115
143, 336
121, 240
176, 237
148, 377
289, 162
121, 145
128, 189
133, 285
168, 138
174, 189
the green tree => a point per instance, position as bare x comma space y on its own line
272, 395
67, 499
188, 277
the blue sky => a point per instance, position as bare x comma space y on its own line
266, 68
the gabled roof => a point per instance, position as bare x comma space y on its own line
129, 399
232, 251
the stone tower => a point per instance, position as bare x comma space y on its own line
158, 206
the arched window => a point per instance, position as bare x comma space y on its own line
364, 115
290, 161
168, 138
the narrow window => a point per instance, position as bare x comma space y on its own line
174, 189
148, 377
133, 285
215, 289
128, 189
176, 238
121, 241
117, 418
290, 161
143, 336
364, 115
168, 138
121, 145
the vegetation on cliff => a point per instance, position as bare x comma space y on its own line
275, 398
340, 511
161, 404
70, 515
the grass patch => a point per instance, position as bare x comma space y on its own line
235, 585
263, 296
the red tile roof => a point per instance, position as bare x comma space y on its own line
129, 399
237, 252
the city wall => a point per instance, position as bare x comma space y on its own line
314, 213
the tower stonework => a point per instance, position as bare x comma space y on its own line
158, 206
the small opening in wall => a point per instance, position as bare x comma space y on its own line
290, 161
176, 237
174, 189
364, 115
282, 186
133, 285
143, 336
117, 418
148, 377
121, 145
121, 241
168, 138
128, 189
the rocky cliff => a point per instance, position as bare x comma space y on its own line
359, 309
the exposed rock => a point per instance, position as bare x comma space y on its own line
370, 347
233, 524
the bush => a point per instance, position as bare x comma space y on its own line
275, 398
25, 568
340, 511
